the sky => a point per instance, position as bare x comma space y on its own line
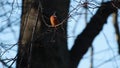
9, 28
105, 45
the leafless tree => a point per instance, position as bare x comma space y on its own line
44, 45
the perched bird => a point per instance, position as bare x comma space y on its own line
53, 20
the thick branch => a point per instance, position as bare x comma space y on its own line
85, 39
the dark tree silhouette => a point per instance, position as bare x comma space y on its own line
43, 46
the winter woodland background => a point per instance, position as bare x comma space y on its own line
102, 54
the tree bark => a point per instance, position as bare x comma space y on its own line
42, 46
117, 30
85, 39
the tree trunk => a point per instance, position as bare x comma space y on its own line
41, 46
117, 30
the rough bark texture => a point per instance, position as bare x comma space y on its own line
28, 17
41, 46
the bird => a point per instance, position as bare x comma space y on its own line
53, 20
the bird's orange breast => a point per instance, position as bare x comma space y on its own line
53, 20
